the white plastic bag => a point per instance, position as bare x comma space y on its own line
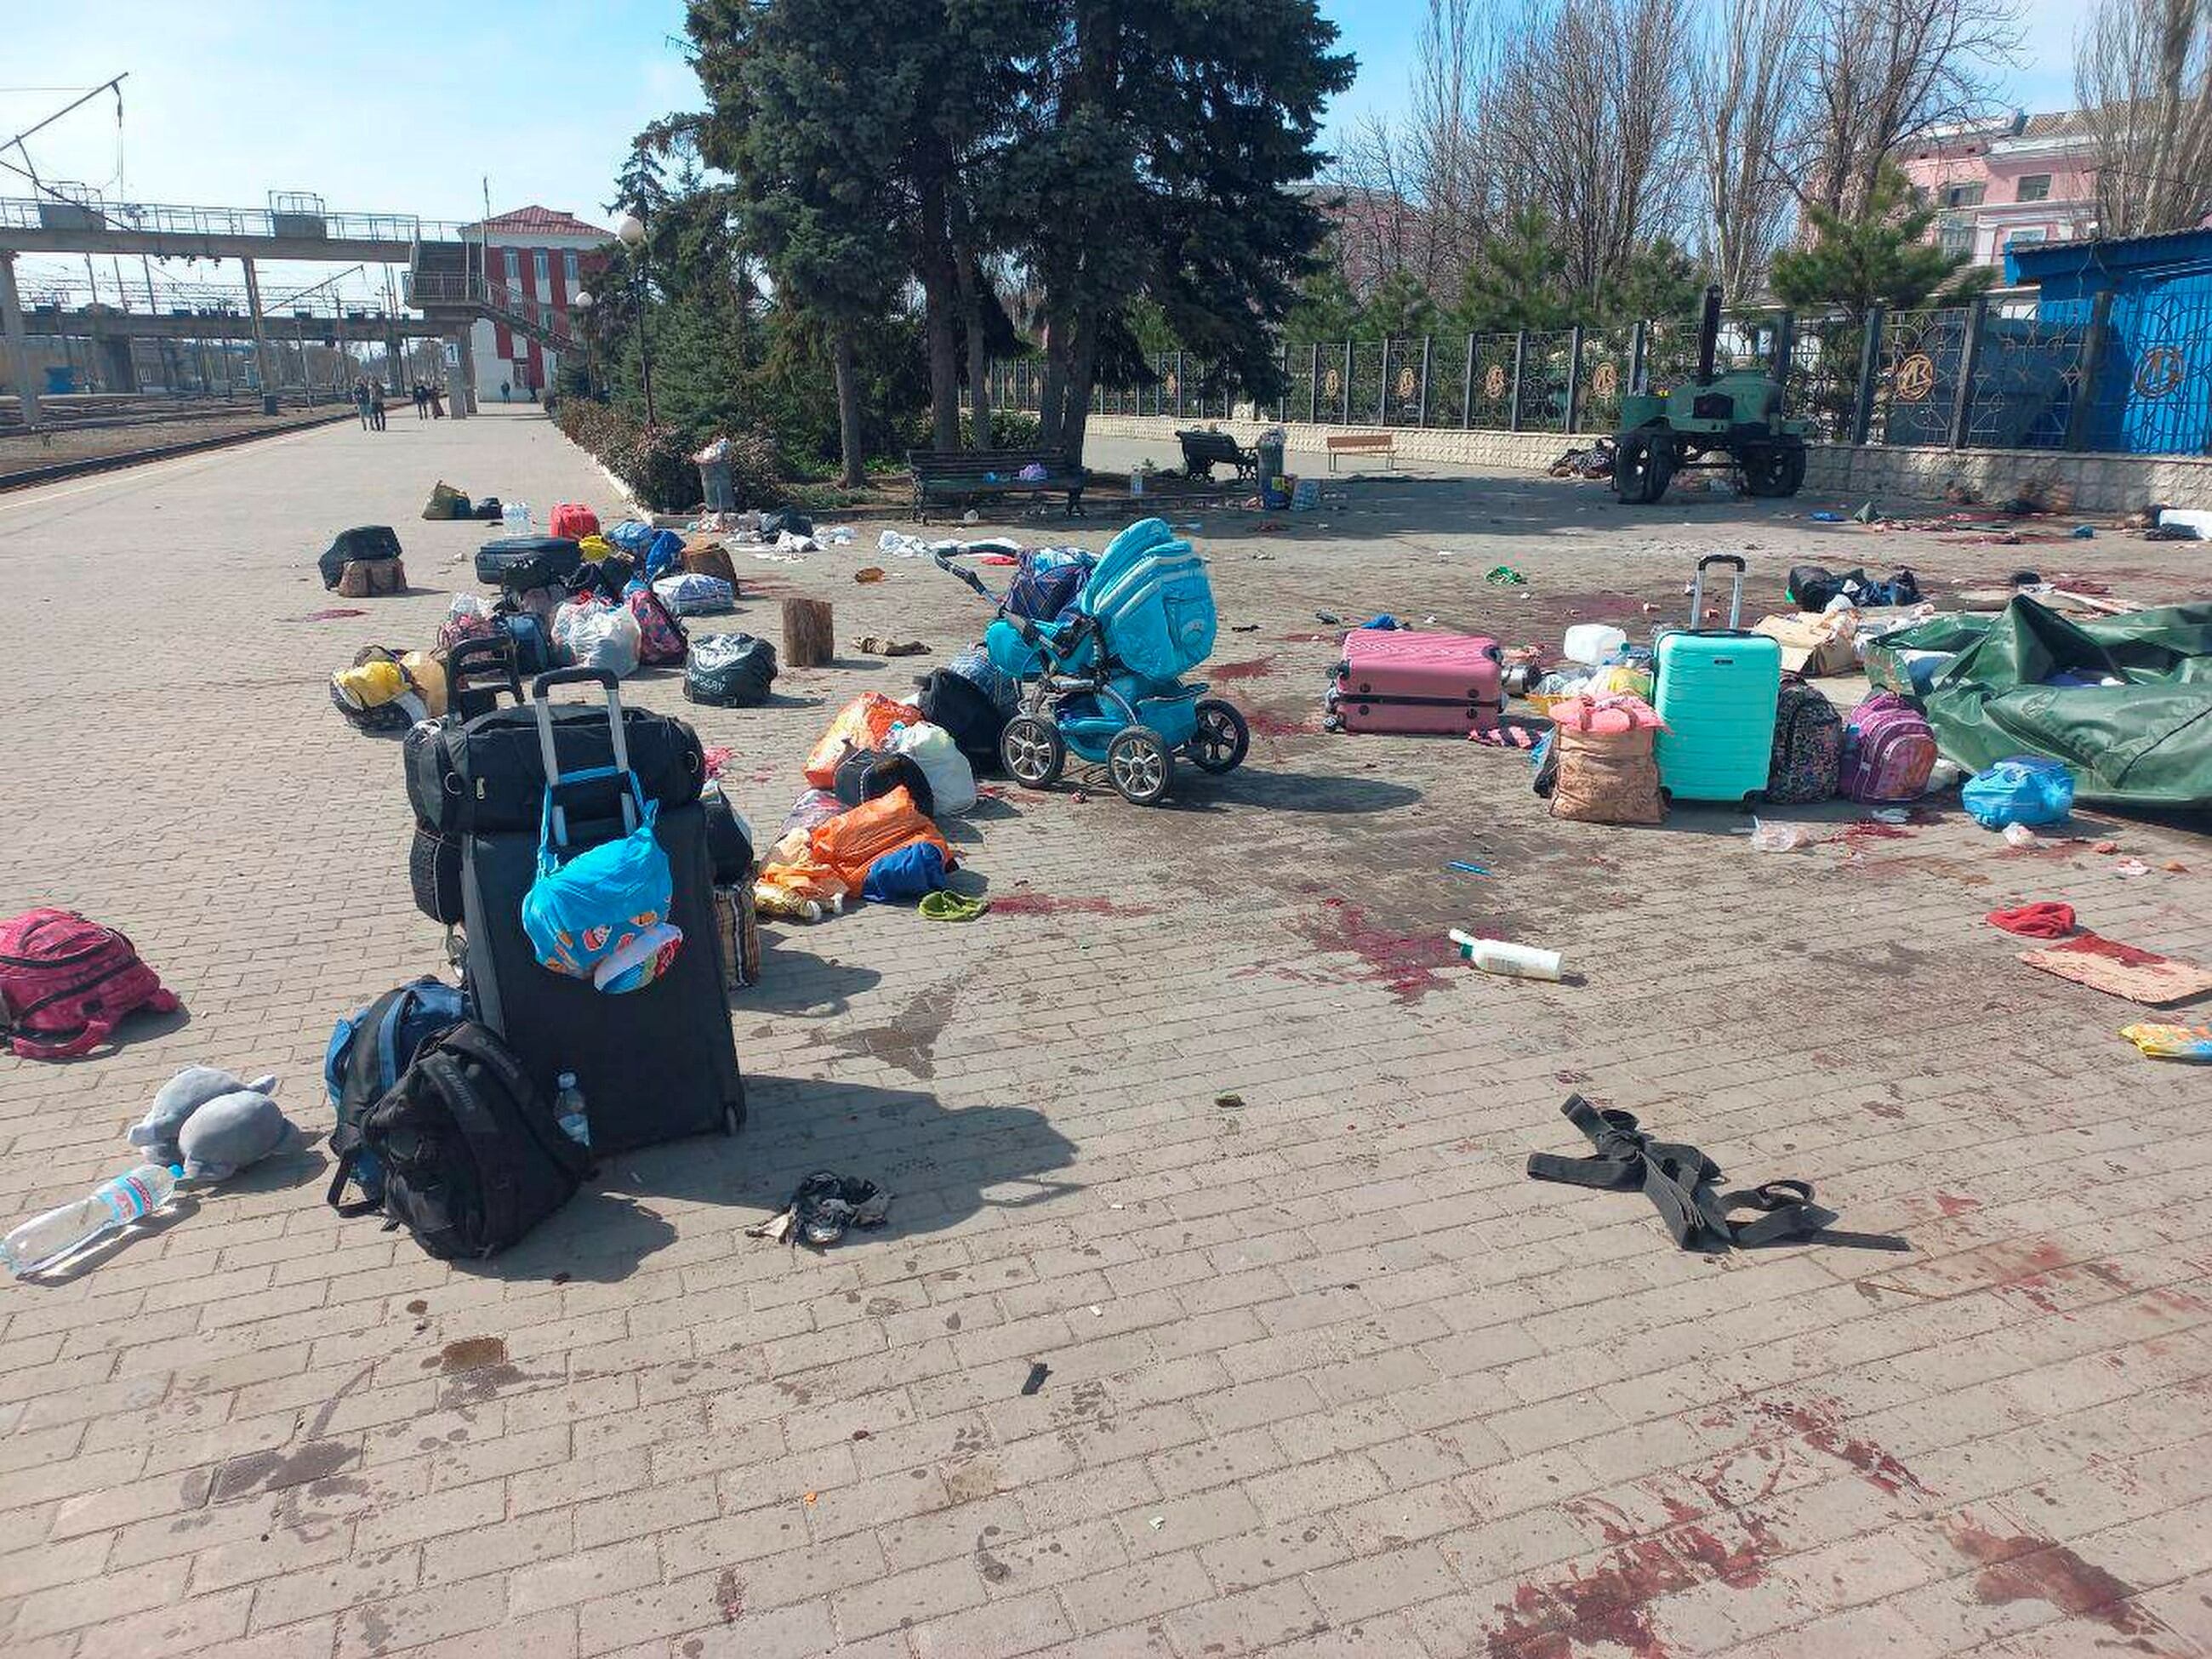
952, 780
467, 605
591, 633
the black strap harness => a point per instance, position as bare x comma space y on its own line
1682, 1183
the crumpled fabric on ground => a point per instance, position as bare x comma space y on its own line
2170, 1041
824, 1207
2045, 918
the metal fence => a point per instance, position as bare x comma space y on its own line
2126, 374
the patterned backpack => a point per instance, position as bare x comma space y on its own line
665, 643
1808, 745
1889, 751
66, 982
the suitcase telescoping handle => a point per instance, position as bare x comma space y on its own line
492, 657
540, 692
1735, 595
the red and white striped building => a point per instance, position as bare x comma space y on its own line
544, 255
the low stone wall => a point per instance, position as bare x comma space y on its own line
2100, 484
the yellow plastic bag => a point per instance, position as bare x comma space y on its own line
372, 685
594, 548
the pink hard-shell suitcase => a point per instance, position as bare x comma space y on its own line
1403, 680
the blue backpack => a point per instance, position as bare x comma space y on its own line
533, 651
367, 1055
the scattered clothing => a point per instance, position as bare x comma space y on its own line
1679, 1181
2046, 919
825, 1205
2172, 1042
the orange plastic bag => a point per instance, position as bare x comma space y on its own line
862, 723
850, 843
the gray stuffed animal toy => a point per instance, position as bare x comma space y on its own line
212, 1123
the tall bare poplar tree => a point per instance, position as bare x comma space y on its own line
2142, 71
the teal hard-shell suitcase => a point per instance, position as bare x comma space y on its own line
1716, 691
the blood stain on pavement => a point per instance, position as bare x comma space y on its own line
2026, 1568
1403, 963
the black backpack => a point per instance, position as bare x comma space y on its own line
471, 1156
364, 543
965, 710
367, 1055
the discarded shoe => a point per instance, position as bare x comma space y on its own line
945, 905
822, 1209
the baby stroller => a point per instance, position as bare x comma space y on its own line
1100, 682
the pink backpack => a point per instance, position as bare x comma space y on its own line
665, 642
1889, 751
66, 982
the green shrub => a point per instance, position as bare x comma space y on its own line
656, 461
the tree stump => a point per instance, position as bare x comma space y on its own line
809, 639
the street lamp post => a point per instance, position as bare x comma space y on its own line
581, 304
632, 232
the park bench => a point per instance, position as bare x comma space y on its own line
1361, 443
1202, 451
963, 476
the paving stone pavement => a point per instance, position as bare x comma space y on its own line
1328, 1375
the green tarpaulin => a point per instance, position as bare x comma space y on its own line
2145, 742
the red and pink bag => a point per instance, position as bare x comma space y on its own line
664, 644
573, 520
1889, 751
66, 982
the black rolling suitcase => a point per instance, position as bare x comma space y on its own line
654, 1064
523, 561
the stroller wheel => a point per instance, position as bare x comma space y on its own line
1221, 740
1140, 766
1033, 750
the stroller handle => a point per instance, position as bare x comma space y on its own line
945, 564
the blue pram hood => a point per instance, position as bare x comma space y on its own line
1153, 602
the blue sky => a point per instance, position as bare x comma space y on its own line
406, 106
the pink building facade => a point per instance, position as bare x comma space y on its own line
2019, 180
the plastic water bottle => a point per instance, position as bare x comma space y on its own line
515, 517
568, 1107
44, 1240
1498, 956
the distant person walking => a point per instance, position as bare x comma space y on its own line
376, 405
437, 404
422, 401
361, 402
506, 392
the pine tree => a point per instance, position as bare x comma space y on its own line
1880, 253
807, 100
1158, 154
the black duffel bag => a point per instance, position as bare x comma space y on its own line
865, 773
486, 776
729, 670
363, 543
518, 562
469, 1151
966, 711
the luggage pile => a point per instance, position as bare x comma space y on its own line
614, 602
865, 826
1709, 711
576, 850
